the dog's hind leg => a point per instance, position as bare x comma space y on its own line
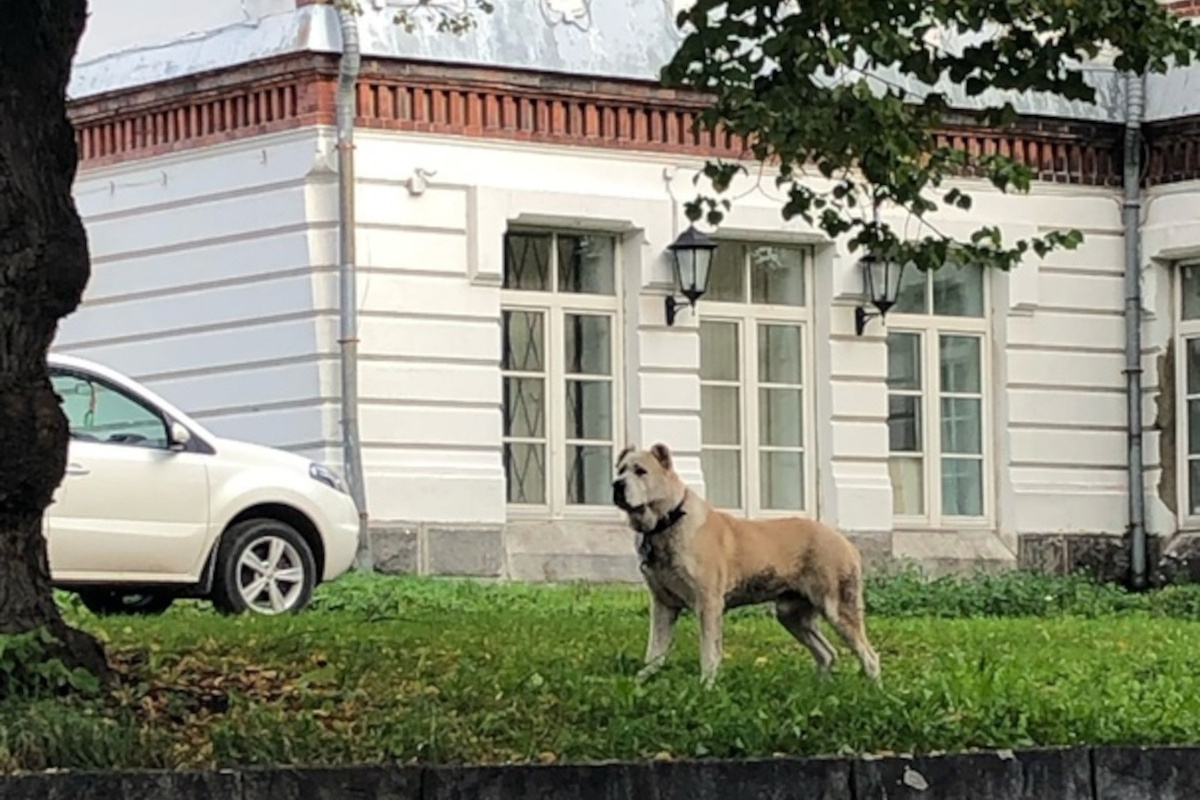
662, 629
800, 618
845, 613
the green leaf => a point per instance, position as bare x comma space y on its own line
881, 134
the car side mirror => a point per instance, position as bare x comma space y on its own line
180, 436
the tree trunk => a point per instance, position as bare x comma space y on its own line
43, 271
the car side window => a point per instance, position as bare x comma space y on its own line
97, 412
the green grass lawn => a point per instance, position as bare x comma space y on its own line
420, 670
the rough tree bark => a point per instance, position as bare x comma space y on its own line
43, 271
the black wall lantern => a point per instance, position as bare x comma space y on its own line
691, 254
881, 286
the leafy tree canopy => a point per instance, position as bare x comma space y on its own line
447, 16
856, 89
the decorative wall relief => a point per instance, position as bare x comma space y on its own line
568, 12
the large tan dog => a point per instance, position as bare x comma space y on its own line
696, 557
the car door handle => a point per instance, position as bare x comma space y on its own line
77, 469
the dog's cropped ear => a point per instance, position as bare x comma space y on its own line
662, 453
621, 457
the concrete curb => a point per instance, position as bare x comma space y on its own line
1078, 773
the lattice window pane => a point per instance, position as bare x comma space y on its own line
589, 475
524, 408
588, 344
587, 264
525, 472
589, 410
527, 261
524, 341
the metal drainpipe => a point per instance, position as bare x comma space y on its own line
1131, 212
347, 88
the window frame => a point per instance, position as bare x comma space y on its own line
133, 398
747, 316
930, 327
1185, 330
555, 306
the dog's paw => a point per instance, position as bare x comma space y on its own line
645, 673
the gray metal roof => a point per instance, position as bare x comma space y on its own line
601, 38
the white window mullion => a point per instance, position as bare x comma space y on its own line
556, 416
751, 455
933, 425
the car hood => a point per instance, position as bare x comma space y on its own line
259, 455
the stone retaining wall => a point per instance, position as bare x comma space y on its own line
1083, 773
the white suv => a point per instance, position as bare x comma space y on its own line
154, 507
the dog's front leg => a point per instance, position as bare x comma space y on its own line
712, 616
662, 629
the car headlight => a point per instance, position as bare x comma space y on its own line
326, 476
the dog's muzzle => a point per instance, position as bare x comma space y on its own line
619, 499
619, 495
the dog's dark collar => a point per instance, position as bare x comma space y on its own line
666, 523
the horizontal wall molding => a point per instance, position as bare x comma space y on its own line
1080, 773
298, 90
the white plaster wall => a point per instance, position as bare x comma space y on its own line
431, 301
215, 282
203, 287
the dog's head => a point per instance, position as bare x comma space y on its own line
646, 486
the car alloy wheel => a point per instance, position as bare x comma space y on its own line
264, 566
270, 577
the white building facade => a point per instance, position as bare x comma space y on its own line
514, 203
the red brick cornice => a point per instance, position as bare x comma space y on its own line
1183, 8
299, 90
198, 110
1174, 151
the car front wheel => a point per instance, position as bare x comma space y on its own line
263, 566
